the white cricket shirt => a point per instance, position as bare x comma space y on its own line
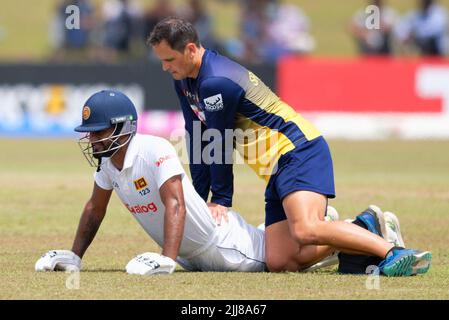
149, 162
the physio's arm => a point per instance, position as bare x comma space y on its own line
199, 171
91, 219
221, 98
175, 212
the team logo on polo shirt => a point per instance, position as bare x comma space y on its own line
140, 183
86, 112
214, 103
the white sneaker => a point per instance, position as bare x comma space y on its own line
331, 214
393, 231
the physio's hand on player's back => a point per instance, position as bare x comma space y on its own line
218, 212
149, 263
58, 260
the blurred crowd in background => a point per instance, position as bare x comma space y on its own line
267, 30
423, 30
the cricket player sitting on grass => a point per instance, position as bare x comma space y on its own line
148, 177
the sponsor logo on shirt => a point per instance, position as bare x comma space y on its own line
140, 183
253, 78
214, 103
161, 160
191, 96
142, 209
194, 103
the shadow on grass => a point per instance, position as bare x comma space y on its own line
101, 270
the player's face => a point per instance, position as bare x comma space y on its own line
179, 64
100, 141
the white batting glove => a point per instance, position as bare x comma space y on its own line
149, 263
58, 260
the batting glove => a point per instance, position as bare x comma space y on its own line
58, 260
149, 263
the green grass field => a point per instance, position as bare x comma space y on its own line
45, 183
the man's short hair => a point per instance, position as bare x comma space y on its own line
177, 32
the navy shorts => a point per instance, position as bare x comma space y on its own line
308, 167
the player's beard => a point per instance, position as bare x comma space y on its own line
112, 149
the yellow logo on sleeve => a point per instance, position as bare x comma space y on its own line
253, 78
140, 183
